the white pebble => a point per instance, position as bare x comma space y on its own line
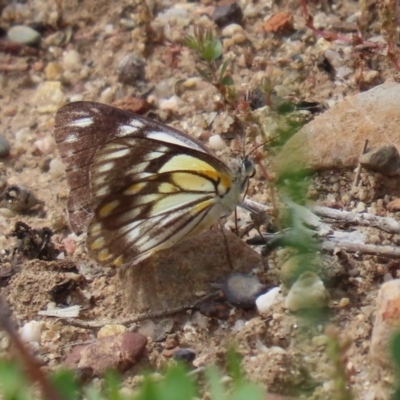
170, 104
56, 168
72, 60
110, 330
109, 29
216, 142
147, 328
307, 292
231, 29
45, 145
361, 207
76, 97
267, 300
31, 332
107, 95
22, 135
7, 213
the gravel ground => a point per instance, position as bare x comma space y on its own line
123, 52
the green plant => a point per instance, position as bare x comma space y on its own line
208, 51
336, 349
176, 384
395, 350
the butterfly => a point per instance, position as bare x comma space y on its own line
138, 185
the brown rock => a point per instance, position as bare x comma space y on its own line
279, 23
387, 322
176, 276
385, 159
132, 104
118, 352
227, 13
394, 205
335, 138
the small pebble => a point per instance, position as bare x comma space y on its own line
72, 60
227, 14
171, 104
10, 111
107, 95
31, 332
232, 29
112, 329
162, 329
49, 97
361, 207
344, 302
7, 213
280, 23
53, 71
185, 355
118, 352
46, 145
56, 168
147, 328
171, 343
216, 143
4, 147
241, 290
19, 198
23, 34
267, 300
307, 292
386, 323
131, 69
385, 159
320, 340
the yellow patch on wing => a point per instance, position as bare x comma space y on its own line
172, 202
98, 244
118, 261
167, 187
135, 188
103, 255
201, 206
223, 179
186, 162
191, 182
209, 219
95, 228
108, 208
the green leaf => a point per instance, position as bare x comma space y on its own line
216, 388
223, 68
66, 384
227, 81
177, 385
396, 395
248, 391
192, 43
234, 369
396, 348
13, 385
149, 390
205, 75
91, 393
212, 51
112, 386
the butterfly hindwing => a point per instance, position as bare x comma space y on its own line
167, 194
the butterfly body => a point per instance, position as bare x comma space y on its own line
151, 186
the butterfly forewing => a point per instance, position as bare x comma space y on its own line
81, 128
150, 185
